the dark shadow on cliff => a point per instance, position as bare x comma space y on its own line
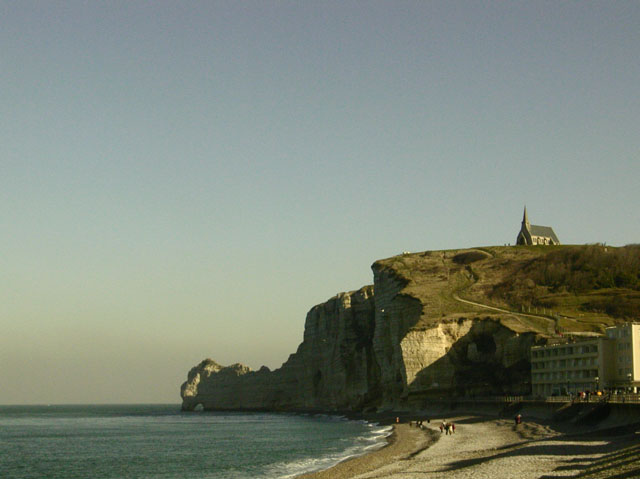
477, 360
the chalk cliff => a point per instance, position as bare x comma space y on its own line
408, 338
333, 368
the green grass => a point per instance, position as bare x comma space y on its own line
513, 277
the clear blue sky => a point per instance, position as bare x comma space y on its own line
181, 180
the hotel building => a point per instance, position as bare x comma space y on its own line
610, 361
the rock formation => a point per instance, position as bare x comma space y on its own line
399, 343
333, 368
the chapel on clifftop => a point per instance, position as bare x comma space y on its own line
534, 234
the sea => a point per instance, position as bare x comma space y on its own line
160, 441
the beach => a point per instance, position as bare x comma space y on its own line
404, 442
496, 448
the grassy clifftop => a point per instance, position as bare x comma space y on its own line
542, 288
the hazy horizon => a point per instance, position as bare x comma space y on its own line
186, 180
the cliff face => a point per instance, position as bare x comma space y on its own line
334, 367
398, 343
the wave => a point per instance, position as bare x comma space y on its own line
375, 439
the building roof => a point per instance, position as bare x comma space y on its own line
546, 231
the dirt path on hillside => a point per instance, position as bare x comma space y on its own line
551, 329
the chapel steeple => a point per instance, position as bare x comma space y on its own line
525, 218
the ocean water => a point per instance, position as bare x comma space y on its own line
160, 441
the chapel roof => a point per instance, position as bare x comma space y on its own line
546, 231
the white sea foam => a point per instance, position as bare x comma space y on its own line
359, 446
375, 446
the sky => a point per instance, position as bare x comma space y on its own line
184, 180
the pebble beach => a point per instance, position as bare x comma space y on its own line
494, 449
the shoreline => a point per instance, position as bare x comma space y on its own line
494, 447
403, 442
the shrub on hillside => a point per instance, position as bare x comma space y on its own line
469, 257
580, 269
617, 307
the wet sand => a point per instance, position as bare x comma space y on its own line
404, 442
494, 449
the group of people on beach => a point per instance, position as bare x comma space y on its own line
419, 423
447, 427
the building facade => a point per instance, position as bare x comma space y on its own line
608, 362
535, 235
626, 365
562, 368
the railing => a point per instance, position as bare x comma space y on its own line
594, 398
591, 398
558, 398
624, 398
492, 399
